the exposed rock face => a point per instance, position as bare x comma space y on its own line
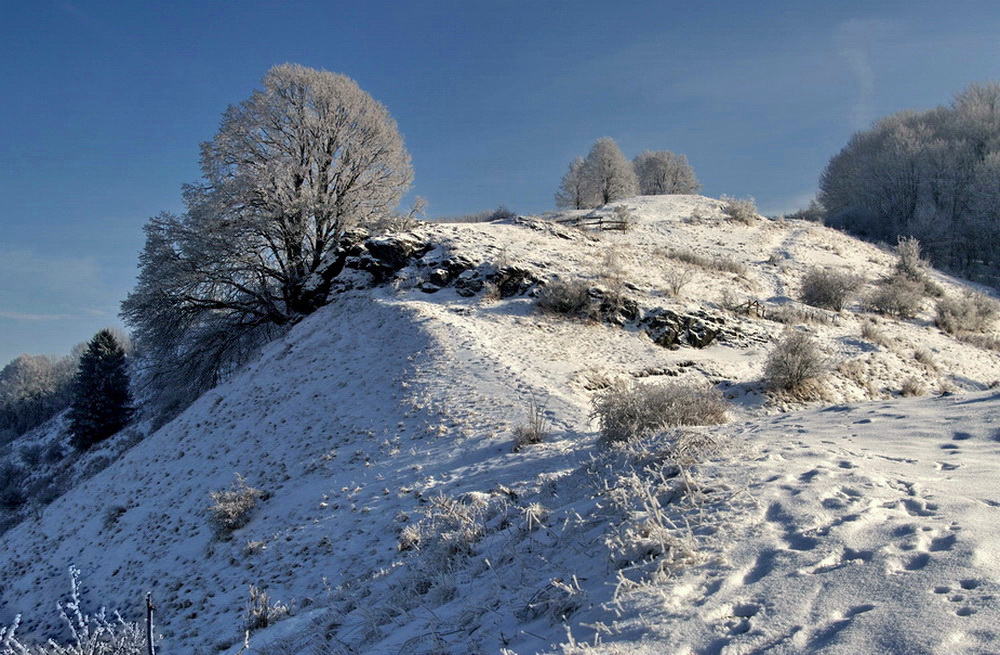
396, 251
469, 283
513, 281
671, 329
615, 308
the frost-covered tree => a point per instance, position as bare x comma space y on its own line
663, 172
306, 157
607, 174
574, 192
102, 401
33, 389
932, 175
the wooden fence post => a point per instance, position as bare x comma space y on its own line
149, 624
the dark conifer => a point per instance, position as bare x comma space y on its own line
102, 402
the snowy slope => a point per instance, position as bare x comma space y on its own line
397, 519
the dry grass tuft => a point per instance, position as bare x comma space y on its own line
631, 409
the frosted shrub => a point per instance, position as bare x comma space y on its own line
871, 332
789, 314
829, 289
678, 279
912, 387
984, 341
259, 612
795, 361
924, 357
441, 542
95, 634
743, 210
566, 297
974, 312
232, 508
899, 296
633, 409
909, 262
502, 213
724, 264
534, 430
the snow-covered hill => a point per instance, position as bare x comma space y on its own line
395, 518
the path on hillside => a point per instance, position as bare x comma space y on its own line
785, 253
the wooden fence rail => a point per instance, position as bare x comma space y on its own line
599, 223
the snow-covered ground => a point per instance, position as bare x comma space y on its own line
396, 519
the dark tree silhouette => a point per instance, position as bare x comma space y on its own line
102, 402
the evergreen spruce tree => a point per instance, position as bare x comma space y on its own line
102, 402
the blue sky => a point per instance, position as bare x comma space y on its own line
105, 103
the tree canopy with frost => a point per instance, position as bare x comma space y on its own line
303, 159
934, 175
607, 174
33, 389
574, 192
662, 172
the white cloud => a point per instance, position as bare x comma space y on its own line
48, 273
854, 40
23, 316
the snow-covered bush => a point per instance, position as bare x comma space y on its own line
909, 261
795, 361
813, 213
984, 341
829, 289
924, 357
232, 508
974, 312
566, 297
623, 216
633, 409
743, 210
898, 296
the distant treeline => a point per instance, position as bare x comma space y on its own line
933, 175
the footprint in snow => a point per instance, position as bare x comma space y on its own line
858, 609
947, 542
808, 476
917, 562
915, 506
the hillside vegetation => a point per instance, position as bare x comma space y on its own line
425, 465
